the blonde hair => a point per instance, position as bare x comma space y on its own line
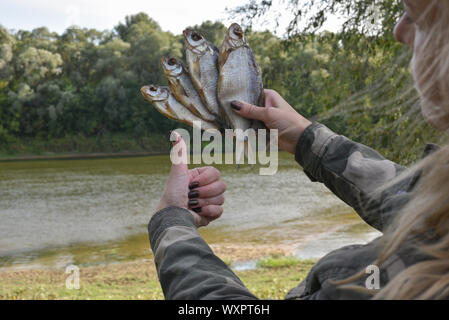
425, 218
426, 215
430, 63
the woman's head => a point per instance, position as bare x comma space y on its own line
423, 223
425, 28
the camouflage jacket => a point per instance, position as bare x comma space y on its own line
188, 269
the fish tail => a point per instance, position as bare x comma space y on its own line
248, 154
239, 153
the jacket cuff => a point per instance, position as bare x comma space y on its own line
166, 218
311, 147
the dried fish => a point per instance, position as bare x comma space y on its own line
239, 76
202, 61
164, 101
183, 89
239, 79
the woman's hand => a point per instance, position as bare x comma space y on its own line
277, 114
199, 189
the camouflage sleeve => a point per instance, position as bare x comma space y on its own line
186, 266
353, 171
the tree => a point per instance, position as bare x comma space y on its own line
374, 17
125, 30
6, 55
37, 64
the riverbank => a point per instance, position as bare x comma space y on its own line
80, 147
79, 156
275, 274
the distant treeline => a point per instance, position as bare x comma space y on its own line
85, 83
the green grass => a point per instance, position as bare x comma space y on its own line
278, 262
138, 281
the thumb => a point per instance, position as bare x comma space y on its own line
178, 155
249, 111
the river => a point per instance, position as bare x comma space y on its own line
96, 211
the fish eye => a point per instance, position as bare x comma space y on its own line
172, 61
153, 89
196, 36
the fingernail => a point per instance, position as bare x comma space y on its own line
236, 105
193, 202
197, 210
194, 185
194, 194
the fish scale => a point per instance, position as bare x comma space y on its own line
239, 80
202, 62
237, 83
165, 103
183, 89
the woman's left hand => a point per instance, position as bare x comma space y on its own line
199, 190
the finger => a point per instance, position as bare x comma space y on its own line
211, 190
203, 202
178, 154
275, 100
199, 220
203, 176
249, 111
211, 212
270, 98
195, 172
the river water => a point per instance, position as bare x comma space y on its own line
54, 213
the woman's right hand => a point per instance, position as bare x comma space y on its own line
277, 114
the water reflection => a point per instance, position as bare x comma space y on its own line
55, 213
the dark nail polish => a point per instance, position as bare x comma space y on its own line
236, 105
194, 185
197, 210
193, 202
194, 194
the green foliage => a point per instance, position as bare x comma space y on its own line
369, 17
356, 80
85, 83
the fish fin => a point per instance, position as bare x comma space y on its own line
170, 113
224, 57
177, 88
184, 92
239, 154
192, 109
248, 153
196, 69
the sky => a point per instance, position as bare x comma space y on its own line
172, 15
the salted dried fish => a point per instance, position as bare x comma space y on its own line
239, 80
183, 89
239, 76
202, 62
164, 101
